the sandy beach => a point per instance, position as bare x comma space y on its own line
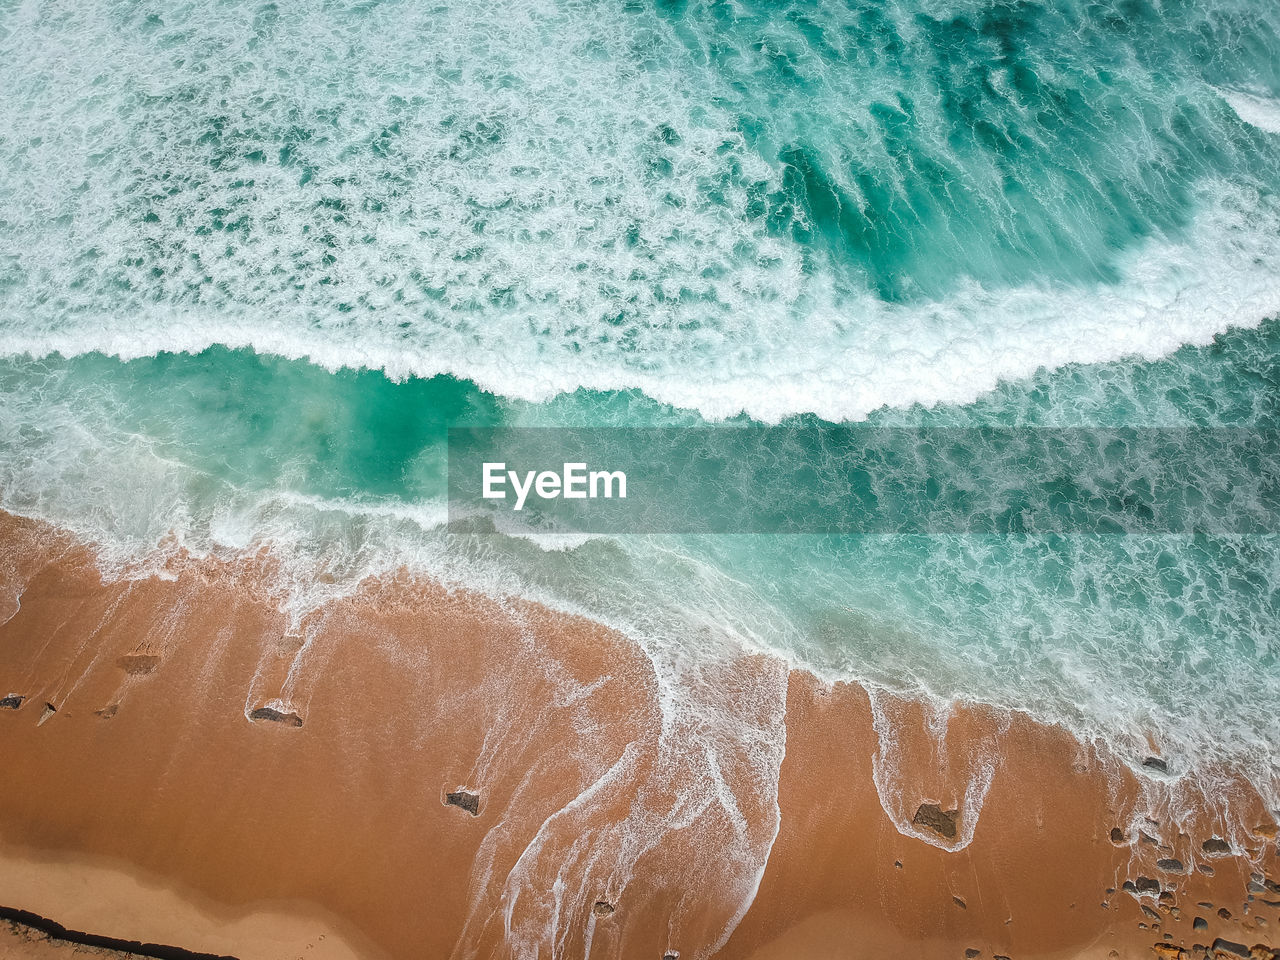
418, 773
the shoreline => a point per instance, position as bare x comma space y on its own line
207, 780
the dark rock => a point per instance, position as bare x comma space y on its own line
960, 903
942, 822
1149, 913
1205, 869
898, 864
1166, 896
1224, 914
1155, 763
1117, 836
1147, 885
12, 702
602, 908
106, 713
671, 956
137, 664
1215, 846
972, 952
1171, 865
48, 711
1199, 923
1230, 946
290, 643
469, 802
275, 716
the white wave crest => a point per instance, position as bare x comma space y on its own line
1258, 111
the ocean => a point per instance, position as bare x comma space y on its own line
255, 261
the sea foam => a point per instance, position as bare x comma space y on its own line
1260, 111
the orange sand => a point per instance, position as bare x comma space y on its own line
149, 806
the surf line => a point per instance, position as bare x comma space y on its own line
574, 482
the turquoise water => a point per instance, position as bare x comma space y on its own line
777, 208
255, 261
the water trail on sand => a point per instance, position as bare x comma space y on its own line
701, 777
915, 765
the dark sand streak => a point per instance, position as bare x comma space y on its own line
56, 931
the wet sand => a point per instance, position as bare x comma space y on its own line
418, 773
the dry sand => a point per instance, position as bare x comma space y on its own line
141, 801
